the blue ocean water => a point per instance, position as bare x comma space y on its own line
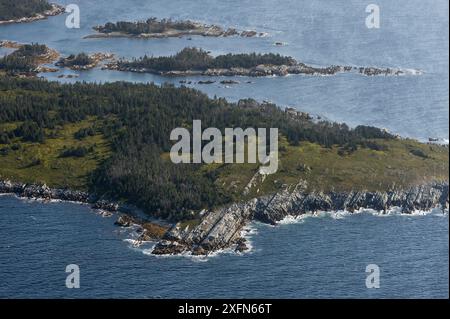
318, 257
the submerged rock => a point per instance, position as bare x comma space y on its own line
241, 245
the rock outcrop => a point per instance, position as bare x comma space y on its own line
272, 209
217, 230
222, 228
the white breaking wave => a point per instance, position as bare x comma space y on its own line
137, 244
197, 258
341, 214
103, 213
412, 71
247, 232
289, 220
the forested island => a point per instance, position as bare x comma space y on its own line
83, 61
195, 61
110, 142
13, 11
165, 28
26, 60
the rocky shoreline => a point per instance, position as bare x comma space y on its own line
94, 60
224, 228
127, 215
54, 11
266, 70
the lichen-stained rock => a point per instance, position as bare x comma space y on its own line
424, 197
232, 220
421, 197
271, 209
173, 234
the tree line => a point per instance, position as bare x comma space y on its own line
80, 59
23, 59
152, 25
13, 9
198, 59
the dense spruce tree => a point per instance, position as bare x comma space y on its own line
14, 9
198, 59
152, 25
23, 59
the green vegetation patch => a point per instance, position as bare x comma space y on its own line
43, 162
15, 9
200, 60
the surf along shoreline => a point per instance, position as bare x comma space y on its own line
224, 228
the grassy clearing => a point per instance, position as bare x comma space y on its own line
42, 163
324, 169
403, 163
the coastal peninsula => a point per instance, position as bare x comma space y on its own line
107, 145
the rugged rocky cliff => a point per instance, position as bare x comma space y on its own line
223, 228
218, 229
422, 197
47, 193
